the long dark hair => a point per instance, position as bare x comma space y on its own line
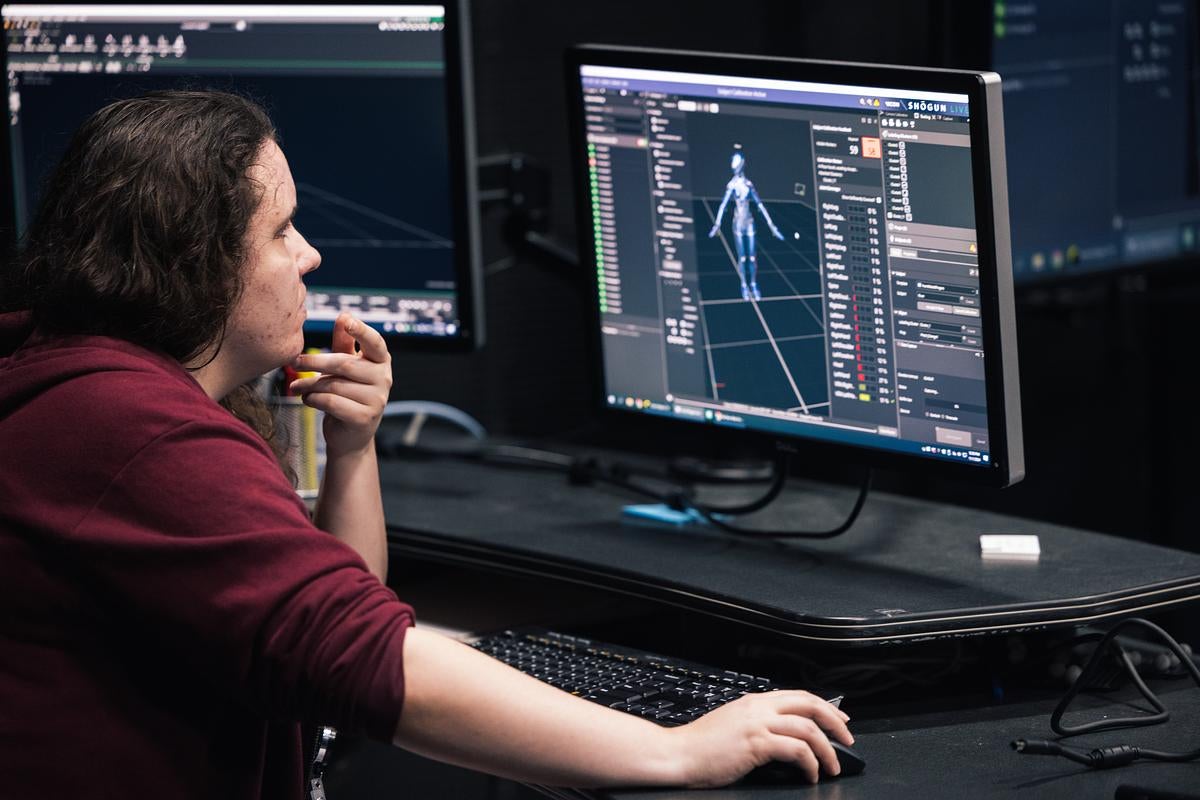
141, 231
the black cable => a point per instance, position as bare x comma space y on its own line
755, 533
778, 479
1094, 665
1099, 758
1118, 755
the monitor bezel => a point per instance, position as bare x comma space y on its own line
464, 191
988, 168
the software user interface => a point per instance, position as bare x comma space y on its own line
1102, 124
358, 94
795, 258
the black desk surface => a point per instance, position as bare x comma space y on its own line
906, 571
954, 755
966, 754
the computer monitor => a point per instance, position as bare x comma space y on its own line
1102, 118
814, 253
373, 104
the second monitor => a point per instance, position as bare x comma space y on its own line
373, 105
812, 252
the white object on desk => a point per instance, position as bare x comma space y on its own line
1015, 546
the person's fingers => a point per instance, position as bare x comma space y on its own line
374, 347
824, 714
806, 730
353, 367
845, 717
340, 408
352, 390
796, 751
343, 339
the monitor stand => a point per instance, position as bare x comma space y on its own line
701, 470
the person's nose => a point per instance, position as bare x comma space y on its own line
309, 258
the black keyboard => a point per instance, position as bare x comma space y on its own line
669, 691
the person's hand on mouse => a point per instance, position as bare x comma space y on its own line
788, 726
352, 385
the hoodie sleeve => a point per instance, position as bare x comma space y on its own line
201, 542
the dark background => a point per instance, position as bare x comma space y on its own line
1104, 359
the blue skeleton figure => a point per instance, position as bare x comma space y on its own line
741, 189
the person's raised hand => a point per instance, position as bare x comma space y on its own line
789, 726
352, 385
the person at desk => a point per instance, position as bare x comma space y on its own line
169, 612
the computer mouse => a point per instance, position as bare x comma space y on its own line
786, 772
849, 759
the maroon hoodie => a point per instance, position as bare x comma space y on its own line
168, 613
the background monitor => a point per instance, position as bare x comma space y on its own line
1102, 111
812, 252
373, 106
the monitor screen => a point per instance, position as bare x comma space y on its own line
811, 251
1102, 121
373, 114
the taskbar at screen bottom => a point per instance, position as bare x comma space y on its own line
407, 313
816, 429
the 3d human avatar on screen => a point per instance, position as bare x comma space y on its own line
741, 189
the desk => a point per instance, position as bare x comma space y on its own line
967, 755
908, 572
946, 756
